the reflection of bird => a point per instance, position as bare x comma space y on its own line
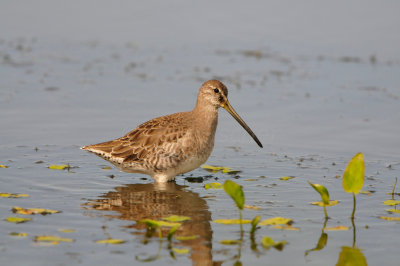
174, 144
156, 201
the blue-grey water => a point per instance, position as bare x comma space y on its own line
317, 82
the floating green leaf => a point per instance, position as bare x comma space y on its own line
353, 177
276, 221
66, 230
215, 169
351, 256
393, 210
111, 241
321, 204
11, 195
181, 251
286, 178
17, 220
236, 193
18, 234
33, 211
59, 166
50, 238
176, 218
232, 221
391, 202
251, 207
230, 242
322, 191
214, 185
267, 242
3, 166
155, 224
185, 238
285, 227
210, 168
390, 218
337, 228
106, 168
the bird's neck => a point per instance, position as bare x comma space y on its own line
206, 116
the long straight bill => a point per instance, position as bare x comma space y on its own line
227, 106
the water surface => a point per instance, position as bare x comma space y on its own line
314, 91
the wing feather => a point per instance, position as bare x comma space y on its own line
156, 143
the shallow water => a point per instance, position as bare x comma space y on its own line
313, 106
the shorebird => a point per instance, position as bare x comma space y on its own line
173, 144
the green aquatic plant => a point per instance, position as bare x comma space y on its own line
254, 224
153, 224
353, 177
17, 220
235, 191
268, 242
322, 241
324, 195
394, 188
351, 256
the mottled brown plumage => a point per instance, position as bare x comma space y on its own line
174, 144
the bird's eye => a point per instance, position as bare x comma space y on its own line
216, 90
